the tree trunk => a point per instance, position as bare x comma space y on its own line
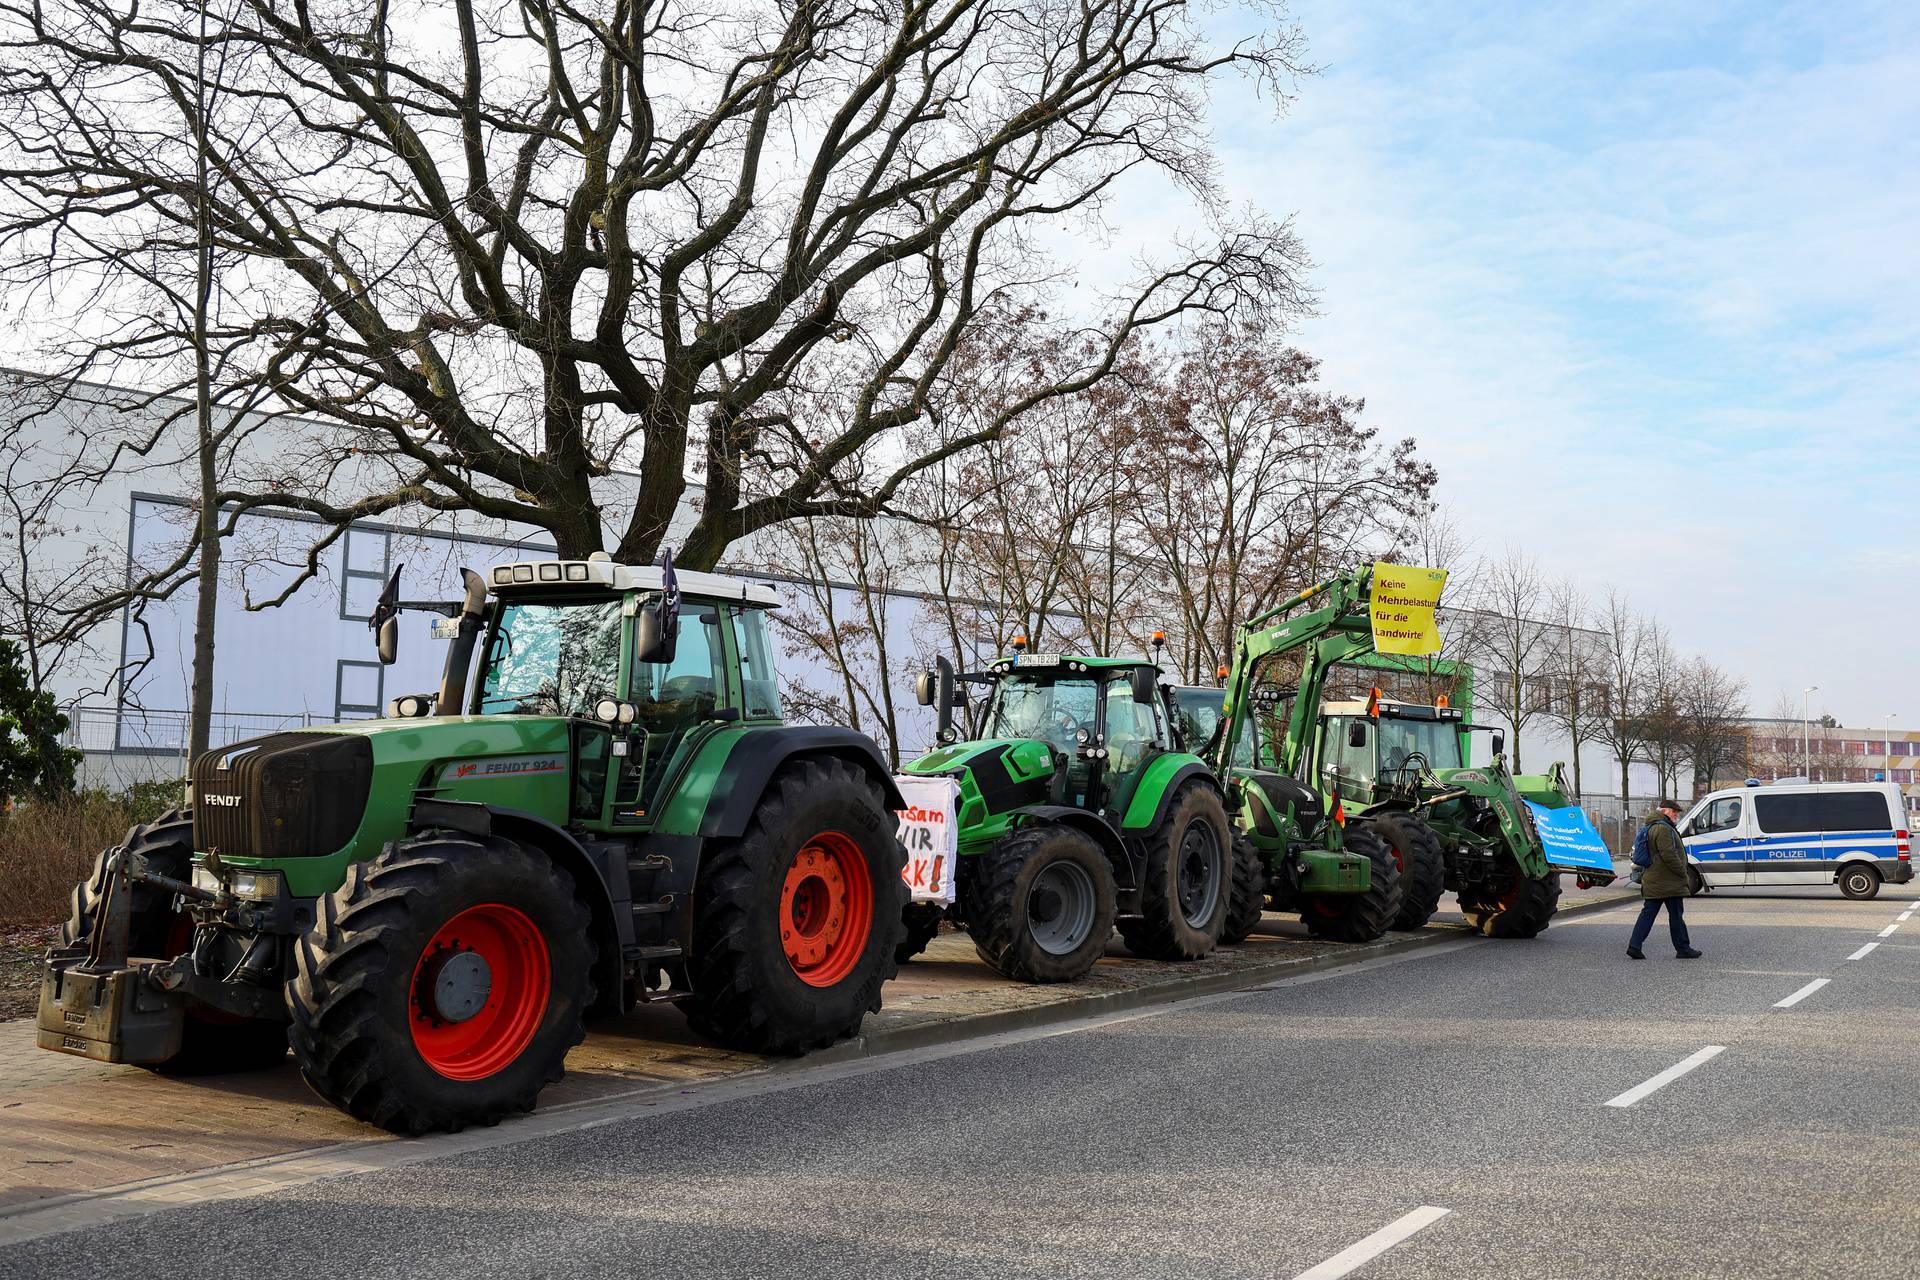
206, 610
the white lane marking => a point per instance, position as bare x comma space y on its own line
1666, 1077
1802, 993
1907, 914
1886, 932
1359, 1254
1862, 952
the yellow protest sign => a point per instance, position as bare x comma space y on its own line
1404, 598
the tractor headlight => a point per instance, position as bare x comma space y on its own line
254, 886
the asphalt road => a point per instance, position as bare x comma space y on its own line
1258, 1134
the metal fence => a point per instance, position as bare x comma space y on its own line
122, 745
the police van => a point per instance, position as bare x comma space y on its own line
1853, 834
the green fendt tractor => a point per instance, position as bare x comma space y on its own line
1401, 768
1346, 882
427, 904
1078, 811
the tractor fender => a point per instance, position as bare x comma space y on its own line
1092, 825
759, 754
604, 893
1158, 786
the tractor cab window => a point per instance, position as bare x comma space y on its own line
1131, 729
551, 659
758, 680
1437, 742
1352, 764
1033, 705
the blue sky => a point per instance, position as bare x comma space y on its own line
1642, 280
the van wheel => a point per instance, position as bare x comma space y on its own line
1859, 882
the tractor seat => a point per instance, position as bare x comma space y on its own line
1285, 793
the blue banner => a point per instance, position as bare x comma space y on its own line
1569, 838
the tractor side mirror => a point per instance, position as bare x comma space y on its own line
1499, 744
1146, 684
1356, 734
934, 688
652, 641
388, 641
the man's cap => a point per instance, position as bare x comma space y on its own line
1666, 803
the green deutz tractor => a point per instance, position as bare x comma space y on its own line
1077, 811
1401, 768
1346, 882
426, 905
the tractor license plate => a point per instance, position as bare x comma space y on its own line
109, 1015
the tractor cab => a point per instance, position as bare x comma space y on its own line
643, 679
1367, 751
1091, 714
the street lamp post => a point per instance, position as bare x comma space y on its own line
1806, 731
1886, 745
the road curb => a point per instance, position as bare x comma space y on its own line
1106, 1003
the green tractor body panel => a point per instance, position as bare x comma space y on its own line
999, 778
1327, 871
512, 762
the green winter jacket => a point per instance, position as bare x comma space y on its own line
1669, 876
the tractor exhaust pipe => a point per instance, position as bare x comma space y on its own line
473, 612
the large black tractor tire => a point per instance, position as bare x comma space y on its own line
1249, 892
1358, 917
442, 985
1523, 911
211, 1043
1042, 904
797, 923
1186, 884
1422, 860
920, 924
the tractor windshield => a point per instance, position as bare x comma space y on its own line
1438, 741
1035, 705
551, 659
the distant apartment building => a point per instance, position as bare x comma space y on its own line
1836, 753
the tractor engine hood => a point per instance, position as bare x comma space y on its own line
309, 793
996, 775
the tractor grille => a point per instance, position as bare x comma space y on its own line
287, 795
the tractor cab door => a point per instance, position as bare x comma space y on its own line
1135, 733
1348, 755
675, 704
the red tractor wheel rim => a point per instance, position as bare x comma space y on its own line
520, 982
826, 909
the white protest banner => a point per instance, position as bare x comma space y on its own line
928, 827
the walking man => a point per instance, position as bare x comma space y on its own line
1667, 883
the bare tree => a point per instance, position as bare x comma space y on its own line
1662, 728
1622, 681
1576, 703
1712, 704
837, 616
1514, 642
510, 248
1263, 483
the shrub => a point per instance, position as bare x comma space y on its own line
47, 847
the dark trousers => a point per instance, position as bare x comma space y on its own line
1676, 922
